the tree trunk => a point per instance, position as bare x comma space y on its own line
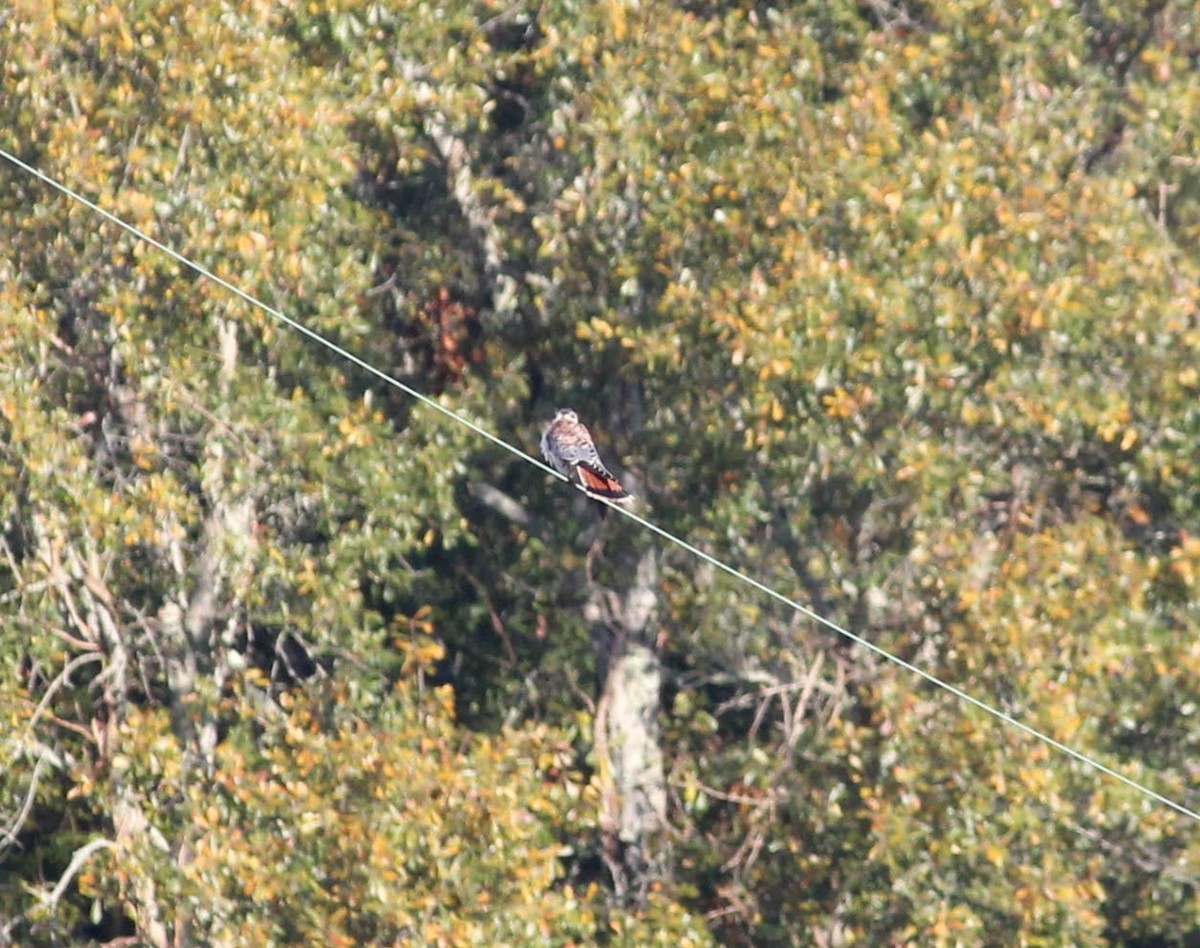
627, 734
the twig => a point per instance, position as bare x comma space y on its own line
14, 827
59, 680
766, 800
82, 854
801, 706
493, 615
383, 287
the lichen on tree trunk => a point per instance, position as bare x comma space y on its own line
627, 734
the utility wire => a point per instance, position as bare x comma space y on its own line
272, 311
666, 535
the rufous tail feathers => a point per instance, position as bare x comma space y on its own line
602, 485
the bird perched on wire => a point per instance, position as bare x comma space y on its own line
567, 445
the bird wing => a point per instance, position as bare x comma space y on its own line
550, 450
575, 446
567, 443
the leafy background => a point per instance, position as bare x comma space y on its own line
894, 306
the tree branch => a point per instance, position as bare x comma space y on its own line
82, 854
460, 182
62, 678
14, 826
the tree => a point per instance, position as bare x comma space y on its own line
891, 306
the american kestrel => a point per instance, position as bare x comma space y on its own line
567, 445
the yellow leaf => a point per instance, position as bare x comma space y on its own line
602, 327
616, 14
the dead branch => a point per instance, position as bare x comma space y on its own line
460, 182
62, 678
15, 824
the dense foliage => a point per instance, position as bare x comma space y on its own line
894, 306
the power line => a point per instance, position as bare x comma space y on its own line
278, 314
932, 679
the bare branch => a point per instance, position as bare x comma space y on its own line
497, 622
460, 181
62, 678
741, 799
500, 502
14, 826
82, 854
48, 900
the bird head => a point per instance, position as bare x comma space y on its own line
566, 414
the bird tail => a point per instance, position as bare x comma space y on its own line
597, 482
